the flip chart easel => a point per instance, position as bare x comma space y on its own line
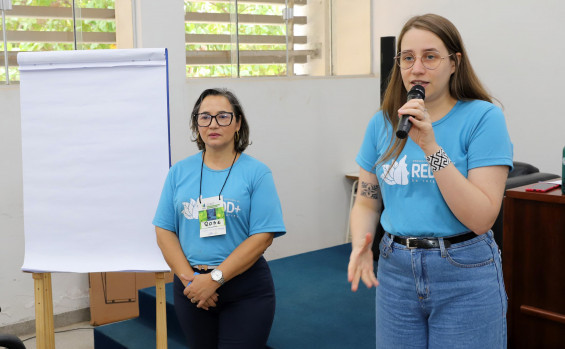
95, 152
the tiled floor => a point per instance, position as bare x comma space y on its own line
77, 336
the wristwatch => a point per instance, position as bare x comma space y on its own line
217, 276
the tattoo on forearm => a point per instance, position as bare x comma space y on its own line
372, 191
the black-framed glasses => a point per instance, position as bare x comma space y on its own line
430, 60
223, 119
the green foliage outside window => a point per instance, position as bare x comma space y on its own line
106, 26
57, 25
244, 29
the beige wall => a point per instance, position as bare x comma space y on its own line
341, 30
352, 50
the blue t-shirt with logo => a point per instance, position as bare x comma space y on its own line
473, 134
251, 206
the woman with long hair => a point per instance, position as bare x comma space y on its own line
440, 281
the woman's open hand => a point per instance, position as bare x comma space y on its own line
361, 265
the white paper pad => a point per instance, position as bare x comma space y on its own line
95, 155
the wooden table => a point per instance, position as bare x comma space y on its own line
534, 267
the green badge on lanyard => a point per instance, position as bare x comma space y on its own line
212, 217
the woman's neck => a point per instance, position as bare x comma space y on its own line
219, 159
441, 108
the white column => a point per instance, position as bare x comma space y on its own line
161, 24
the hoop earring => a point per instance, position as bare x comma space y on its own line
236, 136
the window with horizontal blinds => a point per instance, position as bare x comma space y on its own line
47, 25
273, 37
265, 38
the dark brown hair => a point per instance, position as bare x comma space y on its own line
242, 141
463, 83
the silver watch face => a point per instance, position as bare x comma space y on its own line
217, 275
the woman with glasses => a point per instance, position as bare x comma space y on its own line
218, 213
439, 273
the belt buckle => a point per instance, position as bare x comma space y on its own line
408, 244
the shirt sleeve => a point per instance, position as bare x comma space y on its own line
266, 212
490, 143
165, 216
367, 156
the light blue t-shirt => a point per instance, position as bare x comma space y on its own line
473, 134
251, 206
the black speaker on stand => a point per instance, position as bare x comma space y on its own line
388, 51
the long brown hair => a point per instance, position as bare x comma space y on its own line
463, 83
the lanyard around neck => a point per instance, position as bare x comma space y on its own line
201, 170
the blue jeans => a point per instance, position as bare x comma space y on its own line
441, 298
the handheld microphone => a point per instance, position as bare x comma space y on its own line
417, 92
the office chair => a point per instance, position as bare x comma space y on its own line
9, 341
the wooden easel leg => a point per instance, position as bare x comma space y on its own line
161, 319
45, 335
38, 282
49, 326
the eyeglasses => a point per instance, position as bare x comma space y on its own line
430, 60
223, 119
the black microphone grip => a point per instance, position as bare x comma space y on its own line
417, 92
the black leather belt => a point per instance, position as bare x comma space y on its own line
204, 269
431, 242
